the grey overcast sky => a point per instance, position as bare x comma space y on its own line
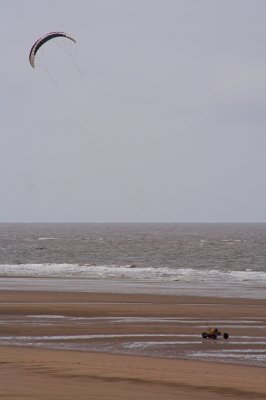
158, 114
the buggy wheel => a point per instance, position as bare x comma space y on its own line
225, 335
204, 335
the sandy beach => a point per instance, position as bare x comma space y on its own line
45, 374
127, 346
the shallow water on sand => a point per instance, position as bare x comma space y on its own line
108, 285
240, 348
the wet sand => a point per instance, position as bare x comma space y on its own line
135, 325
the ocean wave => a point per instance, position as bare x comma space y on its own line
133, 272
48, 238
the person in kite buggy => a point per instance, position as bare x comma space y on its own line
213, 333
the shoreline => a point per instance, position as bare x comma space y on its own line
132, 287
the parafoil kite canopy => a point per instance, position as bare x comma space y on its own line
43, 40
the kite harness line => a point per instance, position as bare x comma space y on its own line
112, 172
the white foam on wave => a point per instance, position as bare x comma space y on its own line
164, 274
48, 238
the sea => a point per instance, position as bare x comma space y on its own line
161, 258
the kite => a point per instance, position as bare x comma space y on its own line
42, 41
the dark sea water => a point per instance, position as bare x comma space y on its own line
184, 253
219, 246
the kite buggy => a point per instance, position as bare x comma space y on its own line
213, 333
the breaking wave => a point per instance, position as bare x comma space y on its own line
133, 272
